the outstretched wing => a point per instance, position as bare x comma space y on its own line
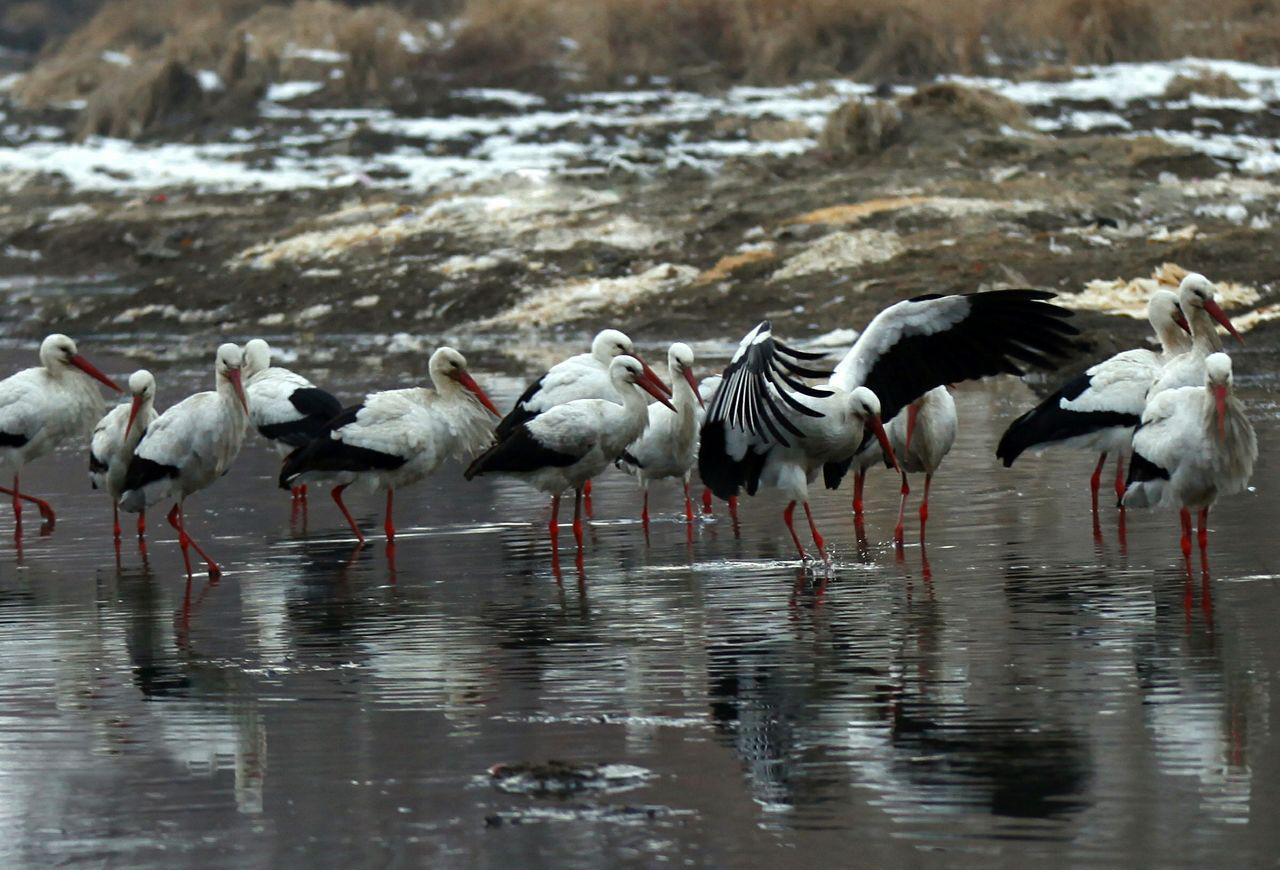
925, 342
763, 373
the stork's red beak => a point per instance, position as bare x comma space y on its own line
1219, 315
652, 374
92, 371
470, 383
1180, 319
650, 384
913, 411
883, 437
234, 377
693, 385
1220, 399
133, 413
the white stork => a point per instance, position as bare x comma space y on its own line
190, 446
763, 419
669, 445
43, 407
922, 434
286, 408
1196, 298
567, 445
115, 439
396, 438
1194, 445
584, 376
1098, 409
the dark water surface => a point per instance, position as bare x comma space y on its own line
1033, 695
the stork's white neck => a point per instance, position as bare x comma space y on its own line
1204, 331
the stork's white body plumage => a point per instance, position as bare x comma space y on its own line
189, 446
116, 437
395, 438
1195, 445
669, 445
285, 408
44, 407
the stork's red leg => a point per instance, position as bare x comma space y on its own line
688, 503
1185, 515
644, 511
795, 539
902, 509
1120, 477
706, 500
342, 506
142, 523
577, 516
390, 524
1203, 532
115, 522
1095, 482
859, 480
176, 522
813, 529
924, 504
46, 512
214, 569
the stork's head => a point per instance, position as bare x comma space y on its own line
1163, 311
58, 351
626, 371
610, 343
864, 405
229, 367
142, 386
680, 365
447, 365
1217, 380
1196, 293
257, 357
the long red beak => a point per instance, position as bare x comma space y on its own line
650, 384
92, 371
1181, 320
234, 377
913, 411
693, 385
133, 413
878, 428
651, 374
1220, 399
1219, 315
470, 383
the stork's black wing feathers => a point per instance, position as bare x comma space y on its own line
519, 412
317, 407
324, 453
520, 451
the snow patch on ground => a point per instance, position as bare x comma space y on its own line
576, 299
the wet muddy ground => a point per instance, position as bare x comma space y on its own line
1018, 692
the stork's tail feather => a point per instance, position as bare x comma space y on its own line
145, 483
1049, 422
1144, 487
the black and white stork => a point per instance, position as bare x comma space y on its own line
114, 440
188, 447
395, 438
767, 427
44, 407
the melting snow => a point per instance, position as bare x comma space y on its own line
578, 298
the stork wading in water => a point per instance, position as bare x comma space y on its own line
1194, 446
763, 416
188, 447
669, 445
286, 408
584, 376
1099, 408
114, 441
567, 445
396, 438
44, 407
921, 435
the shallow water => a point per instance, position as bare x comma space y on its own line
1034, 695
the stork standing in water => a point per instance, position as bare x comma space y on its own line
1194, 445
584, 376
190, 446
396, 438
764, 419
706, 392
567, 445
669, 445
286, 408
43, 407
1098, 409
1196, 299
922, 434
114, 441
